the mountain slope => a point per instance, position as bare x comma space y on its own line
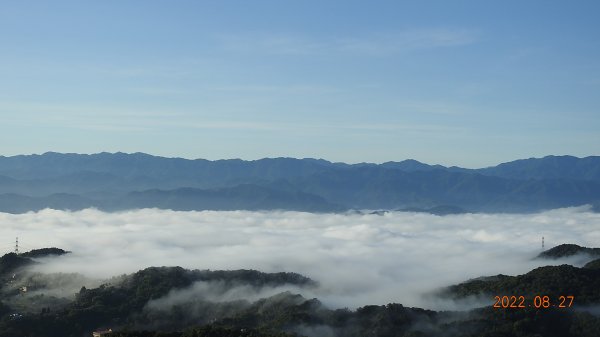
549, 167
241, 197
122, 181
566, 250
373, 187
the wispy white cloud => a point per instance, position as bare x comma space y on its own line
278, 89
370, 44
114, 118
270, 43
407, 41
83, 116
159, 91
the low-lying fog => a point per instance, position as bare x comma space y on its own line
357, 259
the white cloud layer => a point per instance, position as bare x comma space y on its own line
357, 259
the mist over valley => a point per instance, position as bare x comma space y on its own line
350, 260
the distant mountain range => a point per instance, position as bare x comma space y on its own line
119, 181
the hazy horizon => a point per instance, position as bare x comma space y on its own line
315, 158
464, 83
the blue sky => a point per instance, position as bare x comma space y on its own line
468, 83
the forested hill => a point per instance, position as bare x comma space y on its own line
176, 302
566, 250
117, 181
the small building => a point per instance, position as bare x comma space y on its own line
15, 316
101, 333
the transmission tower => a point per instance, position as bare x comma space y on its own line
17, 246
542, 243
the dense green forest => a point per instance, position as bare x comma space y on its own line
553, 281
175, 302
566, 250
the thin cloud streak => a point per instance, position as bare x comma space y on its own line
357, 259
139, 120
388, 44
377, 44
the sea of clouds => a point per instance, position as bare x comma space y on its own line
358, 259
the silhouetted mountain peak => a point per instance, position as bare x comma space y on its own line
410, 165
566, 250
44, 252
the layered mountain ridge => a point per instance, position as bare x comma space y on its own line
119, 181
